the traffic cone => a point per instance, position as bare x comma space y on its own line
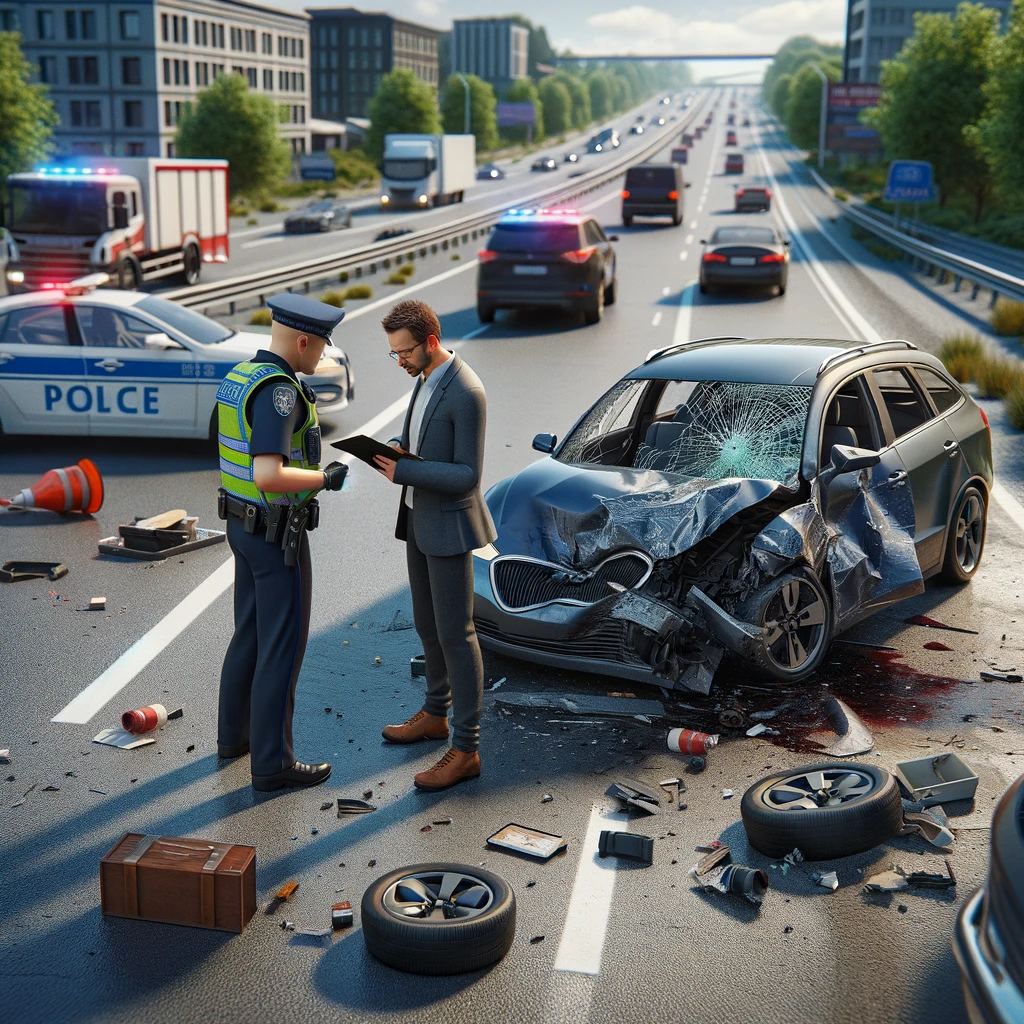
76, 488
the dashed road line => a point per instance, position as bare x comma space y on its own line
656, 320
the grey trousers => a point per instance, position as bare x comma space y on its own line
442, 609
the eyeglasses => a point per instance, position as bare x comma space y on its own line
403, 353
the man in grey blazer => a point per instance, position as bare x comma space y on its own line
442, 518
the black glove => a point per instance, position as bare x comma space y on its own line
334, 476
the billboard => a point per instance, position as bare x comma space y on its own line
515, 113
844, 131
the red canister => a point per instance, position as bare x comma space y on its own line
689, 741
144, 719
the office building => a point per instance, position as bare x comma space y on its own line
494, 49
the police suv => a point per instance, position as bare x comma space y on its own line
79, 359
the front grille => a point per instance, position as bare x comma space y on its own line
606, 642
57, 265
522, 583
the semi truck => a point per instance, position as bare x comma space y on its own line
133, 218
426, 170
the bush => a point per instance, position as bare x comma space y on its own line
238, 208
334, 298
997, 376
354, 168
842, 195
1008, 318
359, 291
395, 279
456, 256
1015, 405
962, 355
343, 276
407, 270
269, 206
252, 221
261, 318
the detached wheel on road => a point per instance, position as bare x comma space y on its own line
832, 809
965, 538
439, 918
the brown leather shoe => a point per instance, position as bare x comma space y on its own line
455, 766
422, 726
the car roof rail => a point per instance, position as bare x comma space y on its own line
657, 353
871, 346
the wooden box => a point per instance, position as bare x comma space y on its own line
195, 882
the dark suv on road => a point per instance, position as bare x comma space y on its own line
653, 190
555, 258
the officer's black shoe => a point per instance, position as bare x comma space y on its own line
226, 750
299, 774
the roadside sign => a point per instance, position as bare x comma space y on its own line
909, 181
316, 167
844, 133
515, 113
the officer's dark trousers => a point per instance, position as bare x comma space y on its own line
261, 667
442, 608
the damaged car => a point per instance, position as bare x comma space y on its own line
736, 496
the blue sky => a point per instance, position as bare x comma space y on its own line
601, 26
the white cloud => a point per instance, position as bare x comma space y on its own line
643, 29
428, 8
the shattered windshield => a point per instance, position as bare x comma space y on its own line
706, 430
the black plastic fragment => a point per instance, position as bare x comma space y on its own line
626, 844
16, 572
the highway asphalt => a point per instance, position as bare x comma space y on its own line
596, 941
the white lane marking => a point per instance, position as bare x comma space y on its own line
586, 921
693, 225
689, 239
272, 240
683, 255
600, 202
681, 334
665, 290
656, 320
402, 292
846, 312
472, 334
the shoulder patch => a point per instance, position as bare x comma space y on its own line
284, 399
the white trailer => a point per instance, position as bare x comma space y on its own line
426, 170
135, 218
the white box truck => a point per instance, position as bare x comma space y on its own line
426, 170
135, 218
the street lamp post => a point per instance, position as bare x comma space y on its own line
823, 116
465, 88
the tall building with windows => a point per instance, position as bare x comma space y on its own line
120, 72
352, 50
877, 29
494, 49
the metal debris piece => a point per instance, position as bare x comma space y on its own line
16, 572
417, 665
353, 806
377, 660
372, 864
314, 830
757, 730
853, 736
122, 740
727, 794
626, 844
287, 926
367, 793
341, 915
716, 872
442, 821
501, 682
51, 789
536, 939
932, 824
585, 704
1002, 677
5, 756
888, 881
175, 714
190, 748
546, 798
826, 879
937, 779
934, 880
314, 933
98, 792
97, 604
287, 891
21, 800
635, 795
427, 828
326, 805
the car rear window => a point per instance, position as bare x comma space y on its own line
754, 191
655, 177
760, 235
535, 237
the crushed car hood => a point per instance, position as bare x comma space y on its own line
575, 515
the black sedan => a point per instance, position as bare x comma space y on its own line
989, 937
730, 496
489, 172
544, 163
323, 215
748, 256
636, 129
572, 157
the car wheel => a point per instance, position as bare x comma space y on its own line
594, 309
609, 292
193, 265
627, 222
965, 538
439, 918
796, 621
485, 312
782, 288
704, 289
676, 219
127, 275
830, 809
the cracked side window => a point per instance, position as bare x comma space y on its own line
724, 429
610, 421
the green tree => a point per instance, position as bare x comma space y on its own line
794, 53
230, 122
1001, 129
28, 118
620, 92
933, 98
483, 110
522, 90
402, 103
579, 97
780, 95
600, 87
557, 104
803, 104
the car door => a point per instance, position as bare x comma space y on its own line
142, 380
925, 443
595, 236
965, 445
42, 389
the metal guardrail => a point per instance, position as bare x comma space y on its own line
228, 294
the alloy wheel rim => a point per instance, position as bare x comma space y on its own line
969, 526
794, 625
810, 791
437, 896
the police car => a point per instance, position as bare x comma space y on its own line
80, 359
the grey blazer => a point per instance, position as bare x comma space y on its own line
450, 508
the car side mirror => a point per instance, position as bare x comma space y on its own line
120, 218
847, 459
786, 242
160, 342
613, 238
545, 443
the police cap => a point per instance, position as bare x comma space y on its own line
302, 313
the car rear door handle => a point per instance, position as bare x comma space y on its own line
110, 365
951, 447
5, 357
898, 479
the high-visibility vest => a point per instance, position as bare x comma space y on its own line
235, 434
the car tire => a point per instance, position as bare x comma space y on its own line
594, 309
782, 289
627, 222
790, 653
676, 220
609, 292
127, 276
193, 265
965, 537
704, 289
485, 312
867, 810
438, 945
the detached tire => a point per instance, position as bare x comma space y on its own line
407, 925
846, 808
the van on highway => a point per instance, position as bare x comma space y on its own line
653, 190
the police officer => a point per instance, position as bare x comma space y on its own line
269, 442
